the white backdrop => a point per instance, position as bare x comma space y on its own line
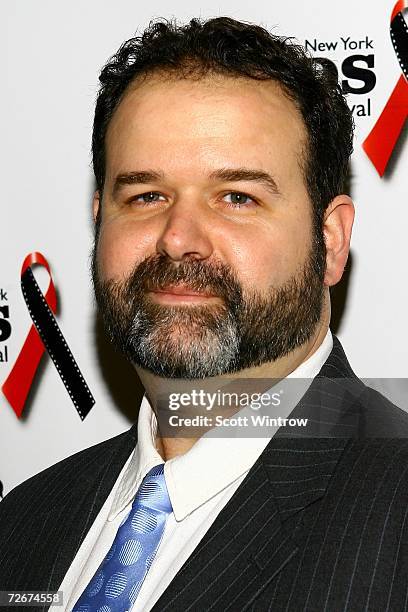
52, 52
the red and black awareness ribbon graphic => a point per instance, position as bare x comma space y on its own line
44, 334
382, 139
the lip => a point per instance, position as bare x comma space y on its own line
181, 292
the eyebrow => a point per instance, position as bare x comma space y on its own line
135, 178
143, 177
246, 174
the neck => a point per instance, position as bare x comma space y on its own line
156, 386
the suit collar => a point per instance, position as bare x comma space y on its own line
332, 403
299, 464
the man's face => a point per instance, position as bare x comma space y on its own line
206, 260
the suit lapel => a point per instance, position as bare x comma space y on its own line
252, 539
230, 553
90, 495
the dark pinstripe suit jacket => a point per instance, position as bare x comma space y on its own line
319, 524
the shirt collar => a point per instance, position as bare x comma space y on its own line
312, 366
186, 490
144, 457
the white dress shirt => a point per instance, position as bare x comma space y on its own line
200, 483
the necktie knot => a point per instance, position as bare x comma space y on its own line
152, 493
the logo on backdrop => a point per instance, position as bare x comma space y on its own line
5, 326
357, 67
358, 79
382, 139
44, 335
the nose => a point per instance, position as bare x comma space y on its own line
186, 233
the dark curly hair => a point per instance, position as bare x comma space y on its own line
227, 46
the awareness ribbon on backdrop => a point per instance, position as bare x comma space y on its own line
44, 334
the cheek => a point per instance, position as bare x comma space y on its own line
268, 258
121, 246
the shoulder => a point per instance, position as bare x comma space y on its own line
68, 474
382, 418
371, 413
372, 476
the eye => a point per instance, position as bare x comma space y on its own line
237, 199
148, 197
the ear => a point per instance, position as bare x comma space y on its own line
337, 226
96, 203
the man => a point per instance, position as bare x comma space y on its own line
220, 154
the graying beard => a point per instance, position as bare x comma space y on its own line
189, 359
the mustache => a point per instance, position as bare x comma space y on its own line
158, 271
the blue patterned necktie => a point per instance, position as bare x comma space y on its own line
116, 584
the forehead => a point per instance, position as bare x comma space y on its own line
218, 120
